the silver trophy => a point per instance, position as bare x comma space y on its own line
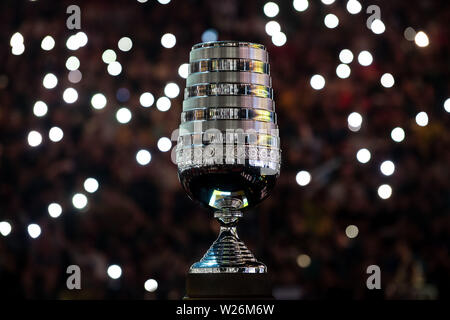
228, 151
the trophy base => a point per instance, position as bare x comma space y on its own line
218, 286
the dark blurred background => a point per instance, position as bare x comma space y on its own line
317, 237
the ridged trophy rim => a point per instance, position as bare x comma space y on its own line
228, 43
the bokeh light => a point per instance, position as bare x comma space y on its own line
123, 115
151, 285
114, 68
114, 271
125, 44
351, 231
303, 178
50, 81
48, 43
163, 104
168, 40
40, 109
5, 228
79, 201
143, 157
346, 56
146, 99
384, 191
90, 185
171, 90
398, 134
55, 134
422, 119
183, 70
387, 80
343, 71
363, 155
98, 101
34, 230
387, 167
421, 39
34, 138
353, 6
303, 261
54, 210
164, 144
365, 58
70, 95
300, 5
331, 21
317, 82
354, 121
271, 9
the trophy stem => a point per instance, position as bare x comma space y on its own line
228, 254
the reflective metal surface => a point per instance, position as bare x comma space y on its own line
228, 152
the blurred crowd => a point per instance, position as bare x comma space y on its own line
142, 220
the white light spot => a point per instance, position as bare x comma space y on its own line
54, 210
409, 34
164, 1
123, 115
384, 191
34, 138
146, 99
351, 231
114, 68
70, 95
303, 178
343, 71
353, 6
17, 50
16, 39
74, 76
398, 134
365, 58
50, 81
422, 119
55, 134
346, 56
387, 80
82, 38
98, 101
79, 201
377, 26
210, 35
34, 230
317, 82
72, 63
164, 144
327, 2
447, 105
40, 109
183, 70
272, 27
5, 228
168, 40
303, 261
90, 185
48, 43
301, 5
109, 56
143, 157
114, 271
73, 43
125, 44
354, 121
271, 9
171, 90
363, 155
151, 285
421, 39
163, 104
279, 39
331, 21
387, 167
